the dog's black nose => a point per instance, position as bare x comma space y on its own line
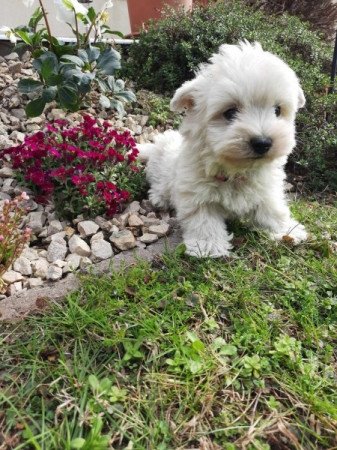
261, 145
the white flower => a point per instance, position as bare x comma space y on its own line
107, 5
67, 8
28, 3
9, 34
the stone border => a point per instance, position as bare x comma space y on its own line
22, 304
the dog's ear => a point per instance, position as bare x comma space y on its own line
301, 98
184, 97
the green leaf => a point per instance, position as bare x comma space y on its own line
73, 59
93, 53
228, 350
83, 55
104, 101
117, 33
49, 93
47, 65
28, 85
198, 345
94, 383
109, 61
128, 96
35, 19
67, 95
77, 443
195, 366
111, 82
91, 14
35, 107
102, 85
24, 36
118, 106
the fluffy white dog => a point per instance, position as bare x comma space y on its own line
227, 158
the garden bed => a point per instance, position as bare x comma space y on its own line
58, 246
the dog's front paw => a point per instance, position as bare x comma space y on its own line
207, 248
296, 233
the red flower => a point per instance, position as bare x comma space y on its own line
70, 158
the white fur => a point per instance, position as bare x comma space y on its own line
208, 171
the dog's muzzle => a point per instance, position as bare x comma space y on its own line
261, 144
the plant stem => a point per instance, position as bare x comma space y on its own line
88, 34
77, 33
50, 38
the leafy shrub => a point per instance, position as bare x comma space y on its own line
171, 50
12, 237
157, 107
88, 169
321, 15
68, 73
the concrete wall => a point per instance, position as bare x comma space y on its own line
14, 13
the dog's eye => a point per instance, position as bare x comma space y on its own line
230, 114
277, 111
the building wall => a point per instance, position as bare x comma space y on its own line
14, 13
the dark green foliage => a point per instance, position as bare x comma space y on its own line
171, 50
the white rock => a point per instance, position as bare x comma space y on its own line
11, 57
100, 250
114, 229
79, 246
159, 230
56, 236
87, 228
36, 220
59, 263
103, 223
97, 237
40, 268
55, 226
17, 136
54, 273
148, 221
72, 262
15, 68
133, 207
14, 288
135, 221
122, 219
123, 240
23, 265
57, 249
11, 276
5, 142
30, 253
34, 282
148, 238
6, 172
85, 262
56, 114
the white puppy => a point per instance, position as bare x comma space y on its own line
227, 158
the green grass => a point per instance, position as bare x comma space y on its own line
184, 353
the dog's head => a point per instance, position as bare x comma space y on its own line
242, 104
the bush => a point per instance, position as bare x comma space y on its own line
322, 15
171, 50
88, 169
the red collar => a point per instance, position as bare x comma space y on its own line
236, 179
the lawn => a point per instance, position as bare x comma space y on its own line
185, 354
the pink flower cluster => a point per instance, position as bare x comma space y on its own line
78, 164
